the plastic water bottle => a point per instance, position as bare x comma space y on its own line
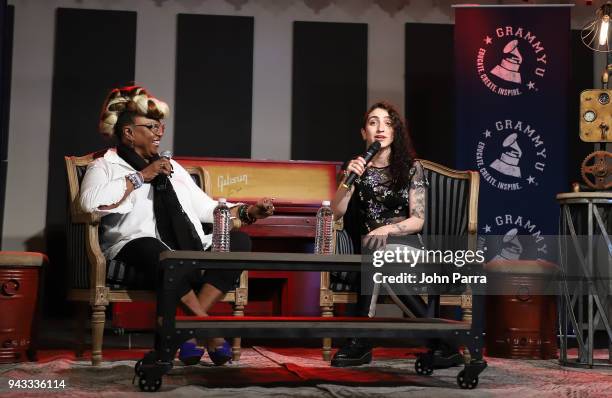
325, 228
221, 227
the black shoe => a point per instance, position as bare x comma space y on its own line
355, 353
445, 356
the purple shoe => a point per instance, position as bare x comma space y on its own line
221, 355
190, 354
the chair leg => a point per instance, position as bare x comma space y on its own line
328, 312
81, 318
327, 343
466, 307
237, 341
98, 318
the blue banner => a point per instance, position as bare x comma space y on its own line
512, 70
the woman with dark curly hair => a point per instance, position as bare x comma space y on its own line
387, 199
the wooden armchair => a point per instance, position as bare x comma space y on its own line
87, 265
452, 209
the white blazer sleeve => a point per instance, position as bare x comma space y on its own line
98, 189
203, 204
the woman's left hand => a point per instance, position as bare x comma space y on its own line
377, 238
262, 209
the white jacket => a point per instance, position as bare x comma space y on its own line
105, 184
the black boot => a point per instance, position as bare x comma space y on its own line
445, 355
356, 352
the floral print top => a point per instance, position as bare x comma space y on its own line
380, 205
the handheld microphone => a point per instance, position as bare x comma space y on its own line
164, 181
167, 155
370, 153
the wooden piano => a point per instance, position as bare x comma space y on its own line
298, 187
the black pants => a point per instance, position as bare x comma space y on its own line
142, 254
413, 302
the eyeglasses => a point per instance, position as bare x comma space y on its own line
154, 128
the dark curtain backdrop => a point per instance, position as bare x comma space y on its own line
214, 86
430, 91
329, 97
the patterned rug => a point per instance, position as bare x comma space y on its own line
299, 372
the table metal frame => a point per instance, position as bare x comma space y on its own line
173, 332
571, 303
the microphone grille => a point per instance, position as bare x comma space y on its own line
166, 154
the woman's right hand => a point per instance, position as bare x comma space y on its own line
160, 166
357, 166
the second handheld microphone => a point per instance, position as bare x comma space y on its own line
370, 153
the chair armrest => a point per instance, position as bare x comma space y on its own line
97, 264
97, 261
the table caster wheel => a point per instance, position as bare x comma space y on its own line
466, 384
149, 386
423, 367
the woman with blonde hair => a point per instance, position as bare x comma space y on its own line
150, 204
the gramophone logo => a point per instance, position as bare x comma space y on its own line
508, 69
511, 248
508, 161
511, 155
511, 61
512, 237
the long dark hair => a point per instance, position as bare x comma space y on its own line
402, 151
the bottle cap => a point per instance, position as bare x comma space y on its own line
222, 200
326, 203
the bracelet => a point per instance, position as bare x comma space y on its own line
244, 216
136, 179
